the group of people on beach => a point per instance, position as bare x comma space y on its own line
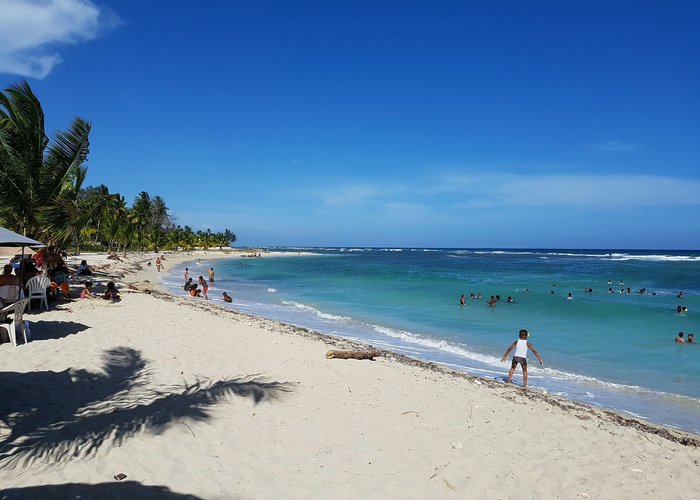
194, 288
111, 293
49, 261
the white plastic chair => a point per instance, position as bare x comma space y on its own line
37, 290
17, 321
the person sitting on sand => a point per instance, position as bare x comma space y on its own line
111, 292
520, 355
680, 337
227, 298
194, 291
83, 269
86, 292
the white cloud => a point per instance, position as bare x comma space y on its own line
594, 191
352, 194
498, 189
614, 146
30, 31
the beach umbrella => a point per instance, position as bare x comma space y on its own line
13, 241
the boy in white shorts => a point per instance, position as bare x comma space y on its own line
520, 356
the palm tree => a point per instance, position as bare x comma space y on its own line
99, 200
140, 216
70, 214
113, 219
33, 172
224, 238
189, 238
159, 213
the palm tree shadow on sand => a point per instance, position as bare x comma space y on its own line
127, 489
58, 416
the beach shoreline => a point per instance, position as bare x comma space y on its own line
394, 426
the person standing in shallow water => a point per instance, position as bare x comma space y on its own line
462, 300
211, 275
521, 347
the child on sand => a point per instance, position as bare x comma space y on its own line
111, 292
520, 355
227, 298
86, 292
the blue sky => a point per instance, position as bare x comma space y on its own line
383, 123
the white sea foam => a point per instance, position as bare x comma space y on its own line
658, 258
314, 311
436, 344
272, 290
618, 256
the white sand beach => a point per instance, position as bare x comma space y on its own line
188, 400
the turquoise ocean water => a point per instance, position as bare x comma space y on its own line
614, 350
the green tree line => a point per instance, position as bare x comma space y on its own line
42, 192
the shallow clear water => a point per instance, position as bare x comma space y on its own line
612, 350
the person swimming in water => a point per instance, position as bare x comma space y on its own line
680, 337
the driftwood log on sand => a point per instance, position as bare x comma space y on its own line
352, 354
